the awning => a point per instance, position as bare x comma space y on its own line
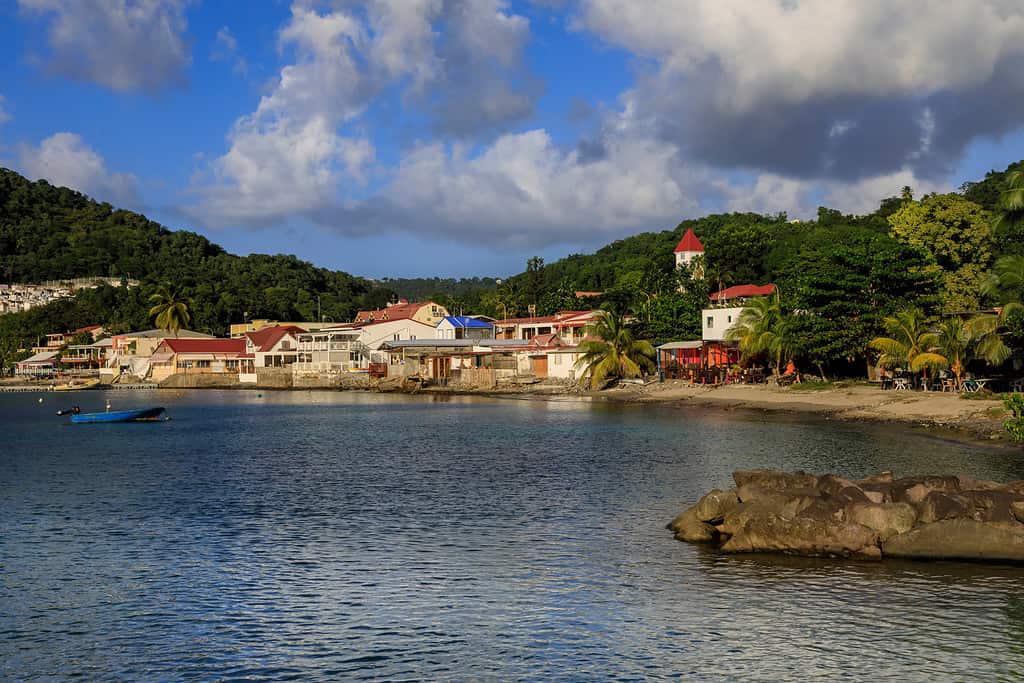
672, 346
161, 357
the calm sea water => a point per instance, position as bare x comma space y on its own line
325, 536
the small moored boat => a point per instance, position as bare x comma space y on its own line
138, 415
76, 385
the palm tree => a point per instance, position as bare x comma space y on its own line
615, 353
762, 327
1006, 285
170, 310
907, 194
1011, 202
952, 342
910, 343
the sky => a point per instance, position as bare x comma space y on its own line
409, 138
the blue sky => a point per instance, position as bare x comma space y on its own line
397, 138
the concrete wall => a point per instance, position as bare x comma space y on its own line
721, 319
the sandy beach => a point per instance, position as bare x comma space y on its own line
975, 417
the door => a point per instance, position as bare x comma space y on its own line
540, 366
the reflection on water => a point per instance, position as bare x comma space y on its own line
326, 536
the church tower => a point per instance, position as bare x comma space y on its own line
688, 249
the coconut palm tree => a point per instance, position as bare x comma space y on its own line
762, 327
169, 309
1011, 202
910, 344
615, 353
1005, 284
953, 342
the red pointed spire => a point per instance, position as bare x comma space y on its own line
689, 242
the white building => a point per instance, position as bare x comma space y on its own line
726, 307
354, 346
687, 250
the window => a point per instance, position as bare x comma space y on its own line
711, 322
412, 337
396, 337
728, 319
202, 363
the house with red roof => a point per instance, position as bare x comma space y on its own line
426, 312
274, 347
725, 307
200, 357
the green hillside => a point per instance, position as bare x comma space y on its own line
52, 233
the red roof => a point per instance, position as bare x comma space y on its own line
738, 291
265, 339
403, 310
689, 242
232, 346
545, 340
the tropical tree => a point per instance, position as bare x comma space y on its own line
1011, 202
761, 327
953, 342
1005, 284
170, 310
615, 353
910, 344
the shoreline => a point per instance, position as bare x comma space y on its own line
975, 419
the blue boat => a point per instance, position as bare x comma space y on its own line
138, 415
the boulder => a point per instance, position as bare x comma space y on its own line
851, 495
883, 477
1017, 510
714, 505
937, 505
690, 529
744, 513
913, 490
752, 493
992, 505
805, 536
774, 481
877, 493
958, 539
886, 519
830, 484
971, 484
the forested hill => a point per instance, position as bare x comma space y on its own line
52, 233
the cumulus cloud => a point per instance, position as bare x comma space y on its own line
524, 190
120, 44
296, 152
823, 89
65, 159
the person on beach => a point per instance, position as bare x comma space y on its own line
790, 374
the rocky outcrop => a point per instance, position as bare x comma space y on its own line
927, 517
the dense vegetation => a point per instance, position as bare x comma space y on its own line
52, 233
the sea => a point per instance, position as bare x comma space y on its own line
327, 536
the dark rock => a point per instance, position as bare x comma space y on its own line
830, 485
937, 505
851, 495
886, 519
804, 536
958, 539
993, 505
713, 506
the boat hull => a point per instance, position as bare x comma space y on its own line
87, 384
140, 415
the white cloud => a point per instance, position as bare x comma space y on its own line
291, 155
523, 190
64, 159
120, 44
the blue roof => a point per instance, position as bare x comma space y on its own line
465, 321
